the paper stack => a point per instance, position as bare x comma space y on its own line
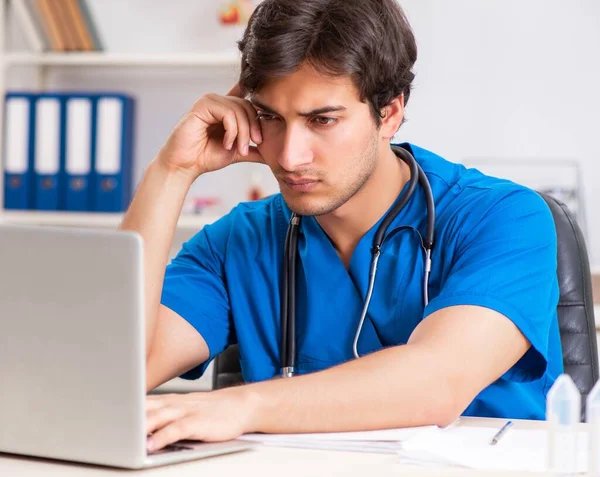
381, 441
456, 446
519, 450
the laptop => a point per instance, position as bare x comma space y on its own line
72, 350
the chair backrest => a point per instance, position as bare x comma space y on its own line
575, 310
227, 369
576, 305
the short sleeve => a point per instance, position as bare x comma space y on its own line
195, 288
506, 261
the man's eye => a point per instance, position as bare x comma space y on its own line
323, 121
265, 117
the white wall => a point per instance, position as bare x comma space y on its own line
510, 79
495, 78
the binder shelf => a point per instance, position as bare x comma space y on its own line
45, 62
92, 220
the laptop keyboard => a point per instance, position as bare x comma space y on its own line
171, 448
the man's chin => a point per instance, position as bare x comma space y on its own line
307, 206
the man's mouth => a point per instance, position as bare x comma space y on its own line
299, 184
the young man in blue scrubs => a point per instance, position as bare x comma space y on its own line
322, 92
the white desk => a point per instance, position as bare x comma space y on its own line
264, 462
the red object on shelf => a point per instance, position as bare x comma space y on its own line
232, 17
255, 194
205, 201
235, 12
255, 191
198, 204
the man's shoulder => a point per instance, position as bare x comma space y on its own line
259, 212
466, 198
256, 217
464, 188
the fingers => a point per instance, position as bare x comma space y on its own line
243, 128
162, 417
239, 122
154, 402
248, 127
255, 131
230, 123
254, 156
173, 432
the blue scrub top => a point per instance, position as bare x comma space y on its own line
495, 247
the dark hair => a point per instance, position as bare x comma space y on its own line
369, 40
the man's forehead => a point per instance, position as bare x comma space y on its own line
305, 90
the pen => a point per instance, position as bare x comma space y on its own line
500, 433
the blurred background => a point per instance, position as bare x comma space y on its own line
506, 86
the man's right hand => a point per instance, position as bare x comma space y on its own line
213, 134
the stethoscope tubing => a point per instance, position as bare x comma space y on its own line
288, 286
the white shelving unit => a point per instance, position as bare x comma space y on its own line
47, 62
3, 73
121, 59
96, 220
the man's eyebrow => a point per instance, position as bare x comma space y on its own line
264, 107
314, 112
324, 110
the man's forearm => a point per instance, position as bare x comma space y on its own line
385, 389
153, 213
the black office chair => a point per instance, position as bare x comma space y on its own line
227, 371
575, 310
576, 304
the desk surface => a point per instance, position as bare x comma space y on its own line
265, 462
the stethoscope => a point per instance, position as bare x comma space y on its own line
288, 288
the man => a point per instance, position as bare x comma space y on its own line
322, 92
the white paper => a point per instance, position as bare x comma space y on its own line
384, 435
379, 447
518, 450
468, 447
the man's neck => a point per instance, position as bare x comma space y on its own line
348, 224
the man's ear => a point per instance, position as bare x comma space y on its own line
392, 116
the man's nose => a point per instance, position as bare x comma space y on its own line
296, 151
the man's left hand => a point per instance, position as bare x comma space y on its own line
205, 416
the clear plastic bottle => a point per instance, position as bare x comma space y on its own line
592, 417
563, 413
